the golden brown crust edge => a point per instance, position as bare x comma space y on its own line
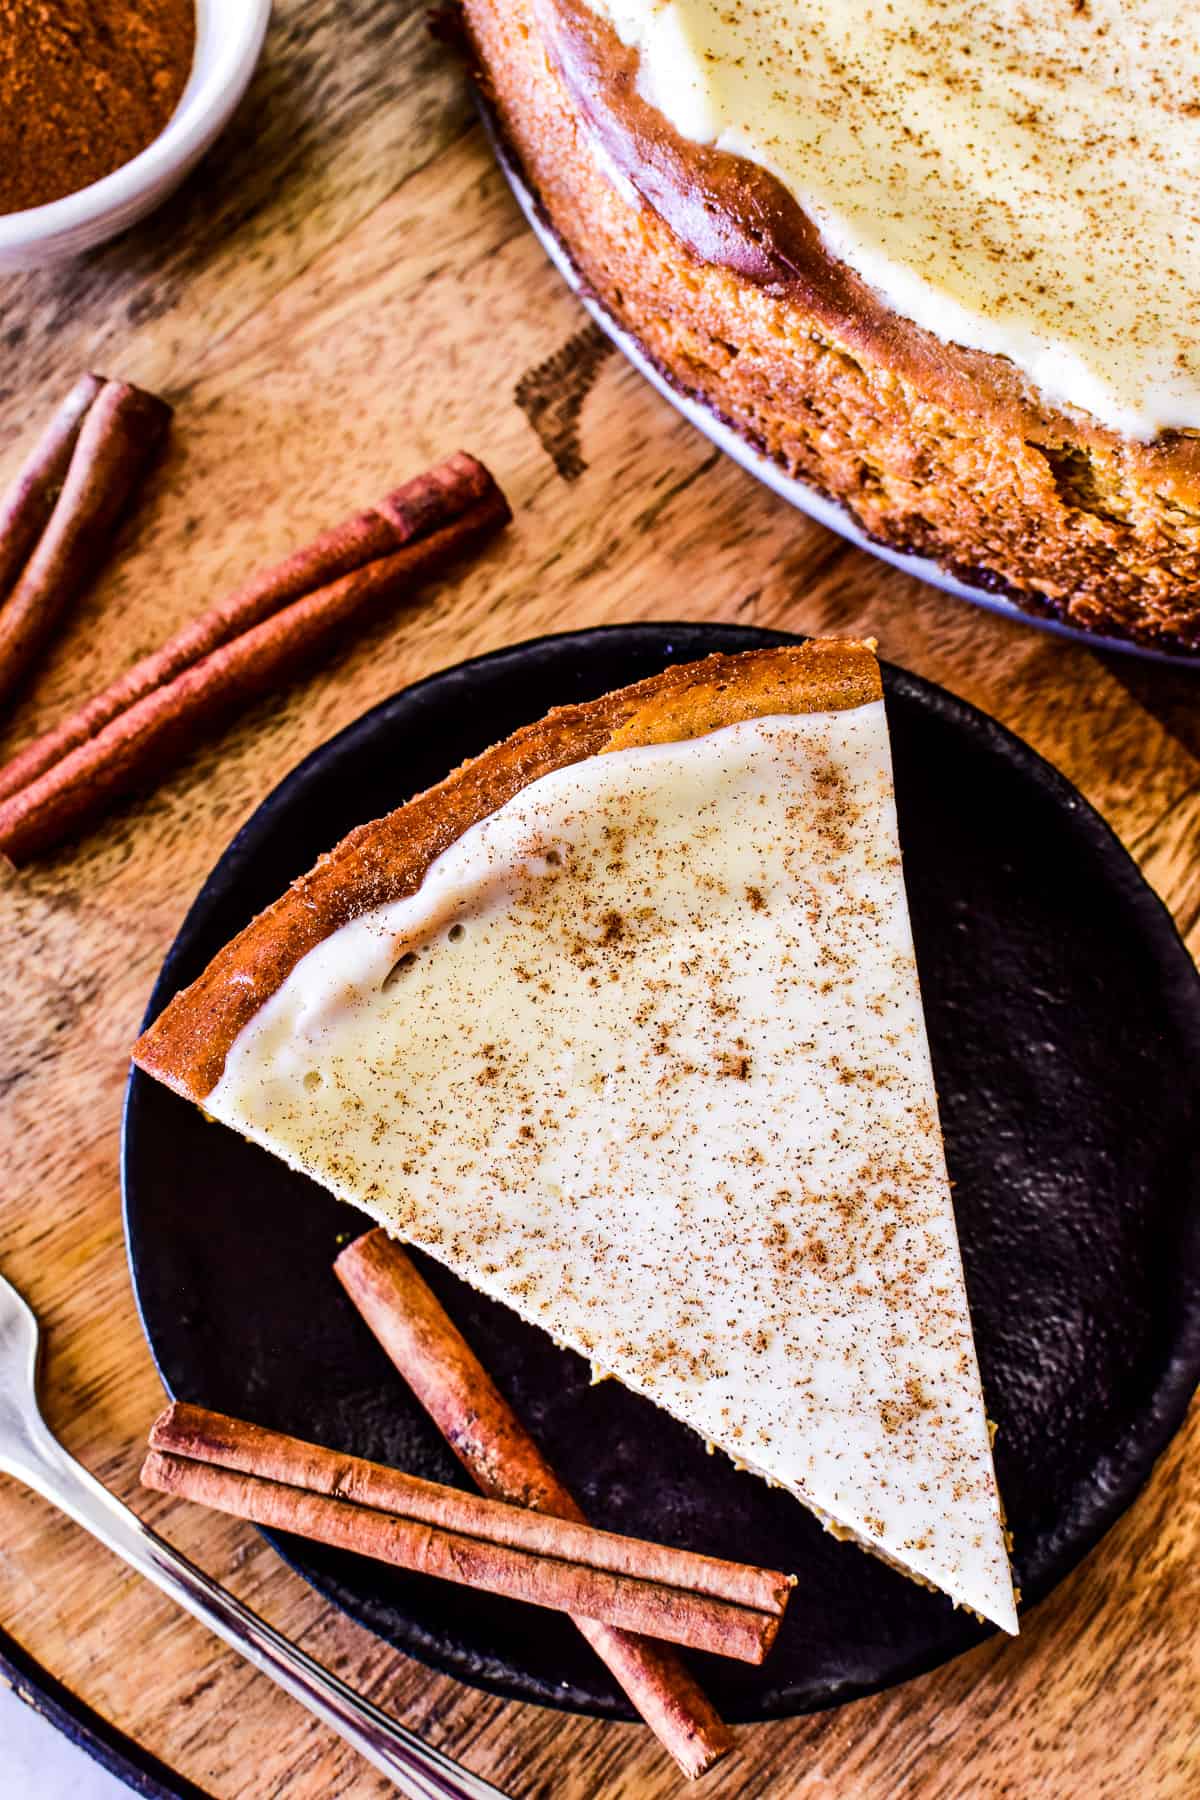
387, 859
767, 238
1050, 508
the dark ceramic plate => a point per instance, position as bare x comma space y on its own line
1065, 1020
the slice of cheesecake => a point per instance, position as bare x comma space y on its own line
622, 1023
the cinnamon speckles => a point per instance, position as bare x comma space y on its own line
898, 1413
612, 929
667, 1093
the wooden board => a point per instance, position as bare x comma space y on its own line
343, 292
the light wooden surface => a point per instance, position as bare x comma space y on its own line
342, 293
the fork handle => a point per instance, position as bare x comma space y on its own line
419, 1771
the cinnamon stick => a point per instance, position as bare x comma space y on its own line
489, 1440
119, 434
210, 1437
26, 507
165, 722
417, 509
289, 1485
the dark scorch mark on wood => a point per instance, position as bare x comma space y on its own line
1169, 695
552, 393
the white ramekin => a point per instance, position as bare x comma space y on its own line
229, 37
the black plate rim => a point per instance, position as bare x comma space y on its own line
96, 1736
1179, 1383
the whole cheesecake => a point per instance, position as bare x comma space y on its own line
940, 262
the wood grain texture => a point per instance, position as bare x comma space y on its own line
341, 294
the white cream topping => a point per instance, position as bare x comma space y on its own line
1018, 178
644, 1057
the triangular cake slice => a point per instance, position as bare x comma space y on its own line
622, 1023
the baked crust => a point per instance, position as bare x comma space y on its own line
934, 449
387, 859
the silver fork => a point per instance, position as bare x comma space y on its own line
30, 1452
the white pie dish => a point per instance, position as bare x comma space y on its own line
229, 39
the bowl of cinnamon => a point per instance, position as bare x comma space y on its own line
105, 107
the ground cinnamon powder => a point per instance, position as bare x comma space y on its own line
85, 85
